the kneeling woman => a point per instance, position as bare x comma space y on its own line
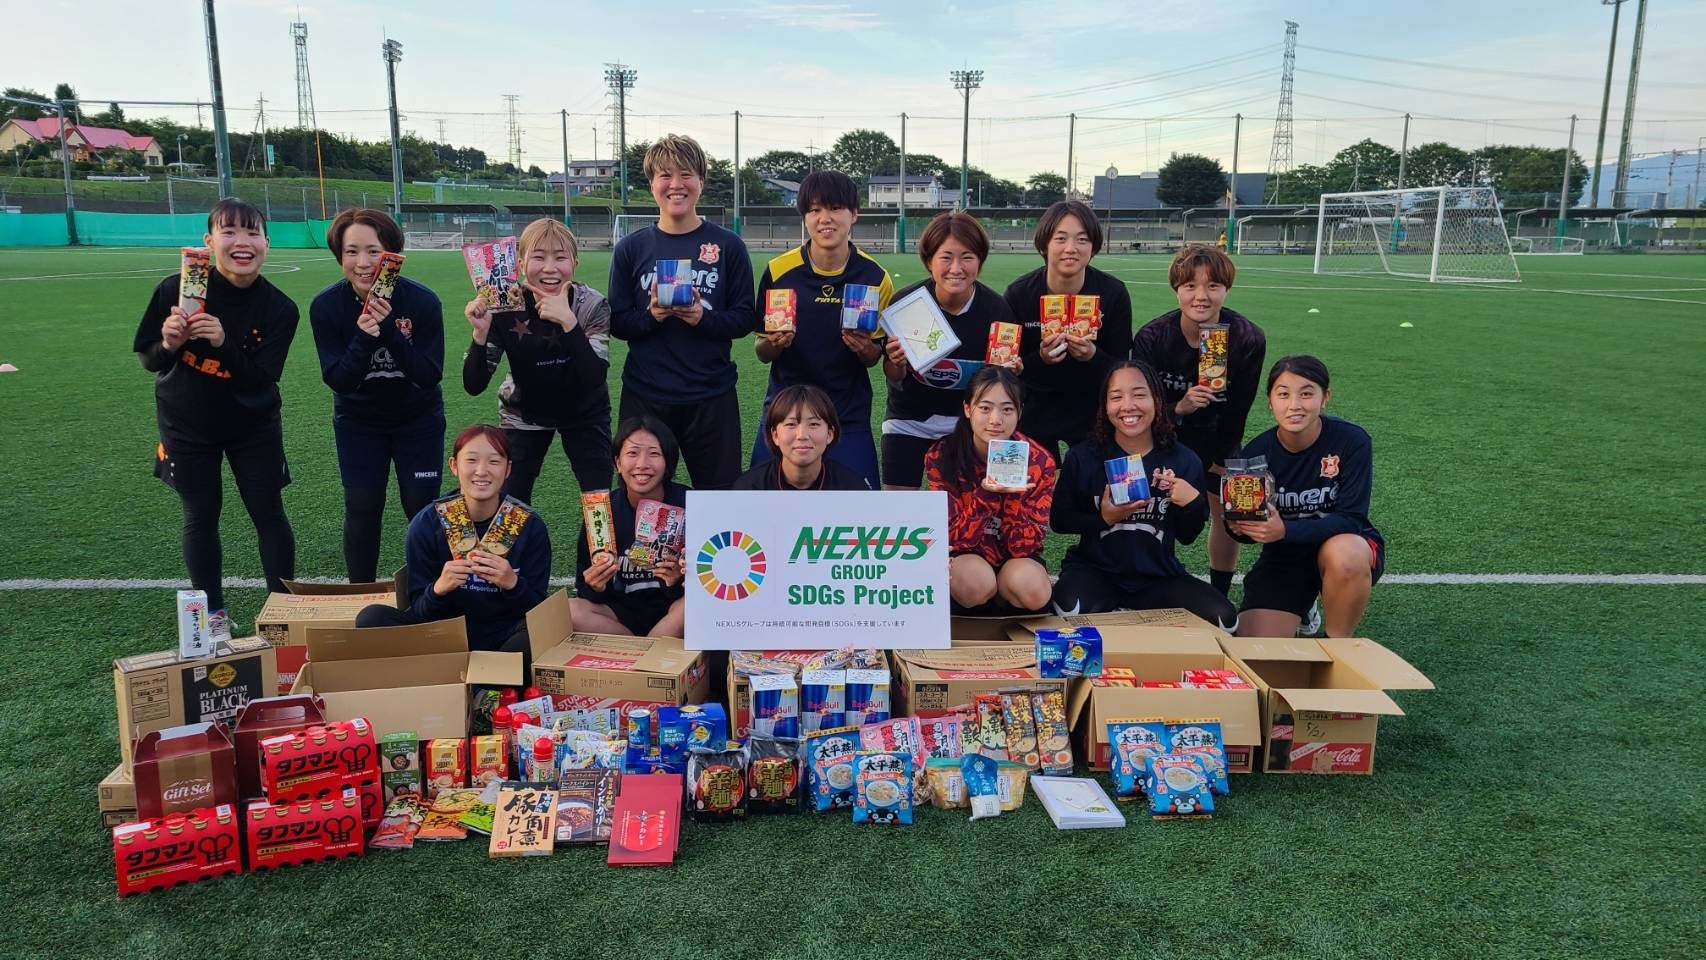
612, 594
1317, 539
995, 533
800, 428
1125, 552
476, 553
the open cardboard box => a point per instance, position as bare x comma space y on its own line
402, 678
1162, 653
966, 631
1322, 700
286, 618
1025, 630
599, 670
930, 683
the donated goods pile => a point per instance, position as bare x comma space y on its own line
396, 737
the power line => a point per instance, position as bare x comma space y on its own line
1554, 77
1162, 75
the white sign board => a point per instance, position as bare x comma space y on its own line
816, 571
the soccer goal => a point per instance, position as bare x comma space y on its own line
433, 240
1439, 234
1547, 246
626, 223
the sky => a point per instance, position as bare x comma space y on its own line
1144, 78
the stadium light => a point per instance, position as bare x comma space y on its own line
965, 81
393, 53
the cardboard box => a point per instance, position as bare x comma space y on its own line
1161, 653
982, 631
286, 618
402, 678
610, 671
117, 798
185, 768
1024, 630
159, 690
1333, 690
929, 683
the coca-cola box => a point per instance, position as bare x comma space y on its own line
929, 683
1322, 699
185, 768
608, 668
159, 690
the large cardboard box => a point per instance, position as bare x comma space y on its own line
117, 798
402, 678
603, 670
1162, 653
159, 690
1322, 700
286, 618
1026, 630
930, 683
311, 588
982, 631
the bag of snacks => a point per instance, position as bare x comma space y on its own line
1202, 738
1130, 743
883, 788
829, 767
1178, 787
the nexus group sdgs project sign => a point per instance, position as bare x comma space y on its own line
815, 571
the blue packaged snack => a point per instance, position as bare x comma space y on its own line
1130, 744
823, 700
706, 724
882, 785
829, 767
674, 283
982, 784
672, 735
1202, 738
859, 305
1069, 652
1178, 787
1127, 483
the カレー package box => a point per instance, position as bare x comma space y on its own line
614, 670
930, 683
285, 619
159, 690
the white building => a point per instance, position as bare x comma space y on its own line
922, 190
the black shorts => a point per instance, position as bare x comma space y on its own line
1208, 450
1292, 582
191, 466
641, 613
903, 459
1083, 588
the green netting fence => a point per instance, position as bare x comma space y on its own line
141, 230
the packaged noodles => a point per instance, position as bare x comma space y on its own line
459, 527
883, 788
660, 532
674, 284
1003, 344
716, 782
492, 267
1086, 316
1130, 744
860, 304
991, 733
1211, 357
1202, 738
1008, 464
1055, 309
829, 767
193, 272
1053, 738
1178, 787
1244, 489
773, 775
385, 278
600, 524
780, 305
1020, 725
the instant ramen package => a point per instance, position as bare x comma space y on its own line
1244, 489
772, 775
1130, 744
883, 788
716, 784
1053, 738
1020, 724
1211, 357
1178, 787
1202, 738
829, 767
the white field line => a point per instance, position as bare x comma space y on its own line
1405, 579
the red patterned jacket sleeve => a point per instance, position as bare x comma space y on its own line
1024, 517
969, 508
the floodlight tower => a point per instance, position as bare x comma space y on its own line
221, 141
1622, 182
965, 81
1279, 158
305, 118
1604, 105
621, 80
393, 52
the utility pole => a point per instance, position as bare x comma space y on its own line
393, 53
621, 79
1622, 182
1232, 189
1604, 108
1071, 132
964, 81
1404, 152
1564, 195
900, 224
566, 215
737, 174
221, 141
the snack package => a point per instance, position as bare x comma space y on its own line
969, 742
439, 827
447, 765
1178, 786
716, 784
586, 803
1244, 489
1003, 350
982, 777
1054, 742
459, 528
1130, 744
194, 265
1055, 311
823, 700
829, 767
860, 304
775, 705
400, 764
1069, 652
1086, 319
486, 761
940, 737
600, 525
397, 829
991, 733
1020, 726
660, 532
1127, 483
674, 283
539, 711
899, 735
706, 724
492, 267
772, 775
1202, 738
1010, 779
882, 783
1211, 357
385, 278
480, 814
780, 305
867, 696
1007, 463
947, 783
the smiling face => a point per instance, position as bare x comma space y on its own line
829, 227
549, 266
359, 256
1296, 403
238, 251
954, 267
1129, 404
1201, 297
480, 472
992, 414
676, 189
803, 437
1069, 248
641, 464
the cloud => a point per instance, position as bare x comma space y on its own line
814, 16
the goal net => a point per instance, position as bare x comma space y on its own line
626, 223
1442, 234
433, 240
1552, 246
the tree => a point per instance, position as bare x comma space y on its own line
21, 111
862, 153
1364, 165
1304, 184
113, 116
535, 172
1045, 187
1528, 176
1191, 180
783, 164
719, 186
1437, 165
65, 95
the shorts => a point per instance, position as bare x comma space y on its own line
903, 459
1292, 583
640, 613
1207, 450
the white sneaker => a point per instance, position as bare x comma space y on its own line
1311, 624
219, 628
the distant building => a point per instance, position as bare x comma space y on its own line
789, 189
1138, 192
922, 190
585, 176
85, 142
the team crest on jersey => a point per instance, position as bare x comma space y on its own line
406, 327
1330, 466
710, 253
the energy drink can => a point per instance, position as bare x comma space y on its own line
640, 729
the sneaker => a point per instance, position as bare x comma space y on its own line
219, 627
1311, 624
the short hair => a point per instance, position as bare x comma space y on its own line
827, 188
1186, 262
1060, 210
390, 235
1305, 365
677, 151
542, 230
234, 212
812, 399
493, 435
960, 226
646, 423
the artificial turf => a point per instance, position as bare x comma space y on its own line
1544, 802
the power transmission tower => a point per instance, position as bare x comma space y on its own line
1279, 159
621, 80
514, 136
440, 122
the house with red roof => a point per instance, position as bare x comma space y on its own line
85, 142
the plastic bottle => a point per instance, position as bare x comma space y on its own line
507, 696
542, 765
532, 693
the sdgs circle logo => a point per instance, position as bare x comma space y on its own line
731, 565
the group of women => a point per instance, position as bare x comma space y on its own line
1076, 401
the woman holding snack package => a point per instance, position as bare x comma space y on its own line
559, 361
1316, 537
995, 533
620, 590
476, 553
1092, 331
382, 353
800, 432
1125, 557
924, 405
216, 335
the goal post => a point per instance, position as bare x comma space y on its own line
625, 223
1439, 234
1547, 246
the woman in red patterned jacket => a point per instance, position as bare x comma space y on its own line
995, 533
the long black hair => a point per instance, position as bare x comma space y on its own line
1304, 365
959, 454
1161, 428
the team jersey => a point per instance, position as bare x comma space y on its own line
996, 526
832, 476
491, 614
630, 582
1061, 399
1217, 429
1321, 491
1141, 545
554, 377
818, 355
925, 403
388, 380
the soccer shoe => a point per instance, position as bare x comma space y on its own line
219, 627
1311, 624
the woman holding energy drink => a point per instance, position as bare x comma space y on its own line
383, 359
475, 553
995, 534
1316, 538
612, 593
216, 398
559, 362
1124, 557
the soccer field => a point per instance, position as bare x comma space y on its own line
1551, 428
